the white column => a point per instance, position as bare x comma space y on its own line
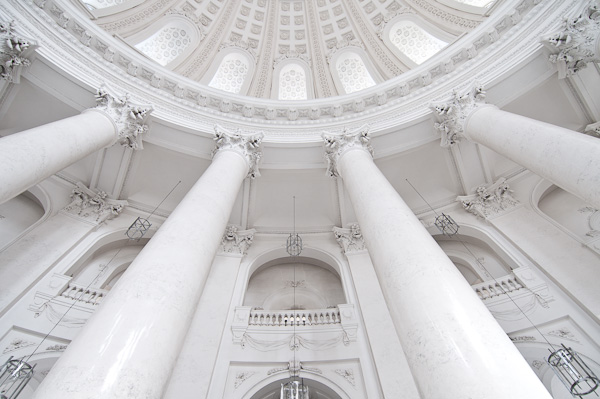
454, 347
578, 43
28, 157
566, 158
129, 347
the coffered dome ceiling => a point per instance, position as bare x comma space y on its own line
289, 49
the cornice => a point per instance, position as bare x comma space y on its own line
84, 51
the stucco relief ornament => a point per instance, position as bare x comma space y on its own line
337, 144
130, 118
247, 145
453, 114
488, 202
236, 241
93, 205
577, 44
13, 53
351, 240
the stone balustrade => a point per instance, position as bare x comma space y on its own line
286, 318
82, 294
500, 286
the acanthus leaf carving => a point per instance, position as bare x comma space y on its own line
236, 241
129, 118
241, 377
337, 144
351, 239
247, 145
348, 374
294, 367
575, 46
14, 50
93, 205
489, 202
453, 114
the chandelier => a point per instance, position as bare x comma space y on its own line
294, 242
14, 376
294, 389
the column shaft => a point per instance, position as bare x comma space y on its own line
129, 347
454, 347
562, 156
28, 157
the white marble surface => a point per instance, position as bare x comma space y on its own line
28, 157
566, 158
454, 346
129, 347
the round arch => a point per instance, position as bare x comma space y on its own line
272, 384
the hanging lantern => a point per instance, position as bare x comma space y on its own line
14, 376
446, 225
138, 228
579, 379
294, 245
294, 389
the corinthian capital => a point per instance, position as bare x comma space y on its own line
578, 43
350, 239
453, 114
127, 116
337, 144
247, 145
13, 53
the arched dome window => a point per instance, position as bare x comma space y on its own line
477, 3
167, 44
414, 41
352, 72
292, 83
231, 74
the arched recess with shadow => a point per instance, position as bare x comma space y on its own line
315, 277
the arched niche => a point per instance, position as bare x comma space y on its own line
476, 260
352, 70
22, 213
302, 73
317, 282
320, 388
231, 71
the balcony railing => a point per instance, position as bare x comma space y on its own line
80, 293
500, 286
286, 318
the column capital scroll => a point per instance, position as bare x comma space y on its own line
350, 239
129, 118
236, 241
93, 205
489, 202
578, 43
337, 144
453, 114
246, 145
14, 50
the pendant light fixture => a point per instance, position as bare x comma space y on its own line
294, 388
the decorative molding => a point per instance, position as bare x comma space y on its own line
537, 364
351, 240
290, 55
593, 129
241, 377
247, 145
576, 44
523, 338
14, 50
294, 342
348, 374
382, 22
593, 221
241, 44
453, 114
236, 241
93, 205
490, 202
16, 344
57, 348
294, 367
346, 42
129, 118
563, 333
336, 145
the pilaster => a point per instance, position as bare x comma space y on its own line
578, 43
337, 145
246, 145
